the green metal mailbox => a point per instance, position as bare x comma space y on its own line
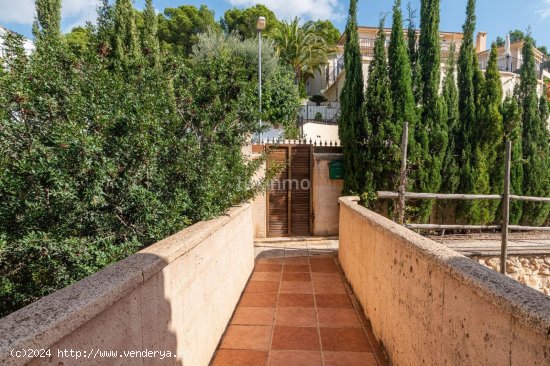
336, 169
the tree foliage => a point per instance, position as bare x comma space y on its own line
325, 29
243, 21
105, 152
536, 149
350, 125
178, 28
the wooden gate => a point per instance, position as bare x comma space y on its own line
289, 194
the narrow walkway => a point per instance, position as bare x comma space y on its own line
297, 310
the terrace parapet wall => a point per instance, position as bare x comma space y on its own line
175, 297
429, 305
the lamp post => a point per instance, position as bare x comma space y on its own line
260, 26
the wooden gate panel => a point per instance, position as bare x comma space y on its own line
300, 187
278, 197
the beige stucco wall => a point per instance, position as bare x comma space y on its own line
429, 305
325, 196
176, 295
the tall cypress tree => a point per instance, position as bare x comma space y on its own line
352, 97
126, 39
465, 145
511, 115
149, 38
413, 53
488, 142
431, 134
399, 67
536, 175
383, 138
451, 171
47, 23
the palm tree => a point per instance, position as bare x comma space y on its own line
304, 48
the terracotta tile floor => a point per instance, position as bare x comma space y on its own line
298, 310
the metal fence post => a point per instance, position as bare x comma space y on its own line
505, 208
403, 176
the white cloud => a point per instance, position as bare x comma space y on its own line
22, 11
305, 9
543, 10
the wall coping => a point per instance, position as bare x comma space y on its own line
44, 322
525, 304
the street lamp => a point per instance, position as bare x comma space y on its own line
260, 26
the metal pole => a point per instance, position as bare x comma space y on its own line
260, 76
505, 208
403, 177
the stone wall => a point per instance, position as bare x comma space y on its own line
533, 271
429, 305
175, 296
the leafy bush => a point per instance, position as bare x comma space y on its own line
318, 116
110, 149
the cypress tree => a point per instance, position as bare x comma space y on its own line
47, 22
413, 54
404, 105
126, 40
511, 115
488, 142
536, 174
451, 171
431, 134
544, 108
149, 39
382, 143
467, 68
352, 97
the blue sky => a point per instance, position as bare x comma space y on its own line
494, 16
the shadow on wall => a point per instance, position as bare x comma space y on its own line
166, 305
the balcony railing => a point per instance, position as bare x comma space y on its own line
510, 64
333, 71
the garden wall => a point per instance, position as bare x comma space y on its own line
429, 305
175, 296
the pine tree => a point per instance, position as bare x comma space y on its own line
352, 97
413, 53
126, 40
431, 134
465, 145
451, 170
399, 67
511, 115
383, 140
488, 142
536, 174
149, 39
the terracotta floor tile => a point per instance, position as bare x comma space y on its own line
259, 299
268, 267
298, 317
266, 276
321, 260
325, 277
296, 287
230, 357
296, 252
349, 359
297, 260
278, 260
296, 300
295, 358
334, 317
324, 268
329, 288
262, 286
296, 276
295, 338
254, 316
254, 337
333, 301
296, 268
344, 339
